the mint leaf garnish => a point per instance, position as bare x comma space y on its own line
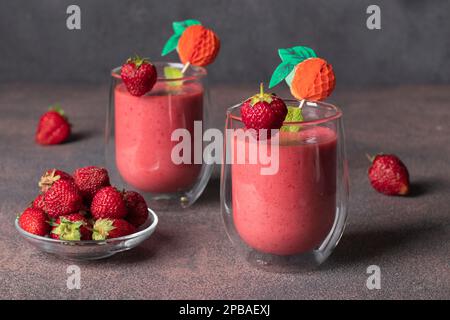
173, 73
294, 115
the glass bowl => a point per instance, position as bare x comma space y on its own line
91, 249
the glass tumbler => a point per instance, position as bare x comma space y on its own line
284, 199
154, 142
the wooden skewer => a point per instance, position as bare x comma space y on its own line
185, 67
302, 103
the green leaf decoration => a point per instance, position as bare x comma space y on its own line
289, 77
171, 44
290, 57
178, 29
281, 72
180, 26
296, 55
294, 115
173, 73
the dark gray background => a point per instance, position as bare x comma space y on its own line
412, 47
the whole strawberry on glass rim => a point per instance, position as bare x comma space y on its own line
263, 111
53, 127
389, 175
138, 75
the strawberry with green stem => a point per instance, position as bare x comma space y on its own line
53, 127
138, 75
263, 111
50, 177
111, 228
72, 227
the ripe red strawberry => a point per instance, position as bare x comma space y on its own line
53, 127
51, 176
111, 228
108, 203
39, 202
34, 220
62, 199
71, 227
137, 208
263, 111
89, 180
389, 175
138, 75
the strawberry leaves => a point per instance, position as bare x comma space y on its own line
290, 57
178, 29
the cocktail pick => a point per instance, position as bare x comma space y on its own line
309, 77
195, 44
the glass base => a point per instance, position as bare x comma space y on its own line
284, 264
168, 201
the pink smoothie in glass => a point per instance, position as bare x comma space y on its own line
293, 210
143, 129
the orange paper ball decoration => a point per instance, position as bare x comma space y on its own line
198, 45
314, 80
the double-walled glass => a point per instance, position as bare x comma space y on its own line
284, 199
154, 142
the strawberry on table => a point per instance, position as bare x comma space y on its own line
388, 175
138, 75
51, 176
137, 208
111, 228
108, 203
34, 220
263, 111
71, 227
89, 180
62, 199
53, 127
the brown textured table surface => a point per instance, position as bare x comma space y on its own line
190, 256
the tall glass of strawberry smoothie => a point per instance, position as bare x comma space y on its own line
289, 211
144, 136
